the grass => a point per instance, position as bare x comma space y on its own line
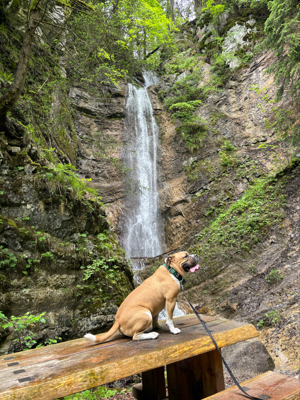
101, 392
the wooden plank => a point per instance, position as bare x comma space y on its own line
196, 378
73, 346
96, 365
54, 351
273, 384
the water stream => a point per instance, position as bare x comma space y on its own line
142, 226
142, 230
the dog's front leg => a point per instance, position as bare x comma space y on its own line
170, 305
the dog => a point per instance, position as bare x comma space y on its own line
141, 307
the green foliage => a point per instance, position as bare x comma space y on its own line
274, 276
184, 109
6, 79
260, 324
273, 317
102, 392
63, 179
100, 264
103, 275
284, 121
215, 10
227, 146
252, 269
107, 55
192, 128
48, 255
7, 258
184, 98
227, 158
185, 60
282, 30
245, 221
193, 132
22, 327
49, 342
220, 67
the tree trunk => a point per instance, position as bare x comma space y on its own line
172, 10
9, 99
115, 6
145, 43
198, 4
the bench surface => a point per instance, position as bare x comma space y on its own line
268, 386
70, 367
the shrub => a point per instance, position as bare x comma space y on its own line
274, 276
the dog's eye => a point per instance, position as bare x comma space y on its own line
186, 256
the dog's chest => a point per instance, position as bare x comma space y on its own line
176, 280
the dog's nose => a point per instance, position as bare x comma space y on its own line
195, 257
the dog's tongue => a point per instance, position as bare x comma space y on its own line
194, 269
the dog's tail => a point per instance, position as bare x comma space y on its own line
103, 337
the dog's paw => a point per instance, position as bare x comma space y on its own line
90, 337
145, 336
175, 331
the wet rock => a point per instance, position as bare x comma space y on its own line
249, 358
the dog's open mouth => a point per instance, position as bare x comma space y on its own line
192, 264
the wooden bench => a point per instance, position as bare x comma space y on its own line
268, 386
194, 367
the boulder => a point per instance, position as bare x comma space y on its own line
247, 359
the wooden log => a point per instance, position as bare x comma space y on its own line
196, 378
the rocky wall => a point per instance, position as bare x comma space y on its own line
48, 241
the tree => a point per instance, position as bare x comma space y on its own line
110, 45
37, 12
102, 43
283, 37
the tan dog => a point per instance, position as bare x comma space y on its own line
141, 307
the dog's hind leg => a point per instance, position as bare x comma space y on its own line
155, 323
144, 322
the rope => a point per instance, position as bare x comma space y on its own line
217, 347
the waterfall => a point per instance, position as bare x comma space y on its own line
142, 231
142, 228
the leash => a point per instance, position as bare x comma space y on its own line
217, 347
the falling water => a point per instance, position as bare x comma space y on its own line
142, 228
142, 233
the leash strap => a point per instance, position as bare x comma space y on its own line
217, 347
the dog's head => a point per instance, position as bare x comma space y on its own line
183, 262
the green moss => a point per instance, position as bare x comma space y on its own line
12, 223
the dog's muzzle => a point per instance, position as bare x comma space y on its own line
192, 264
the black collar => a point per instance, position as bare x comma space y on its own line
175, 273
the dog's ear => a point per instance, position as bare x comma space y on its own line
169, 260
